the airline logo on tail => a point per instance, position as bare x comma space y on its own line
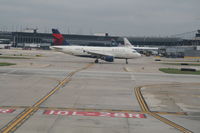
58, 38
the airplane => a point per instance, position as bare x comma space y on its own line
104, 53
154, 50
128, 44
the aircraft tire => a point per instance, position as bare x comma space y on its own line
96, 61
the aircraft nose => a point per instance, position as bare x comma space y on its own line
51, 47
56, 48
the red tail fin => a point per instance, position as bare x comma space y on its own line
58, 38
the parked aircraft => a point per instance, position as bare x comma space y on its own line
128, 44
104, 53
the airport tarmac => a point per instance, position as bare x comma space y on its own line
53, 92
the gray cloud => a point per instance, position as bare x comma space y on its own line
127, 17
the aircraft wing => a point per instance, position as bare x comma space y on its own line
97, 53
146, 48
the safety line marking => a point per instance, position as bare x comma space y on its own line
92, 109
6, 111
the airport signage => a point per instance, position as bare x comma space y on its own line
6, 111
97, 114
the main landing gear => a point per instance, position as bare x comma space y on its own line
96, 61
126, 61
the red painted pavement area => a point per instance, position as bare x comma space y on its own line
98, 114
5, 111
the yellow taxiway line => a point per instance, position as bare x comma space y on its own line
27, 113
144, 107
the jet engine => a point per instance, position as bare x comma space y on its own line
108, 58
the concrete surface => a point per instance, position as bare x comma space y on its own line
103, 86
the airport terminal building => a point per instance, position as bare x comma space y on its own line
45, 39
21, 39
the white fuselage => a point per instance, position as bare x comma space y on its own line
116, 52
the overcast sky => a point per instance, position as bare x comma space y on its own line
117, 17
